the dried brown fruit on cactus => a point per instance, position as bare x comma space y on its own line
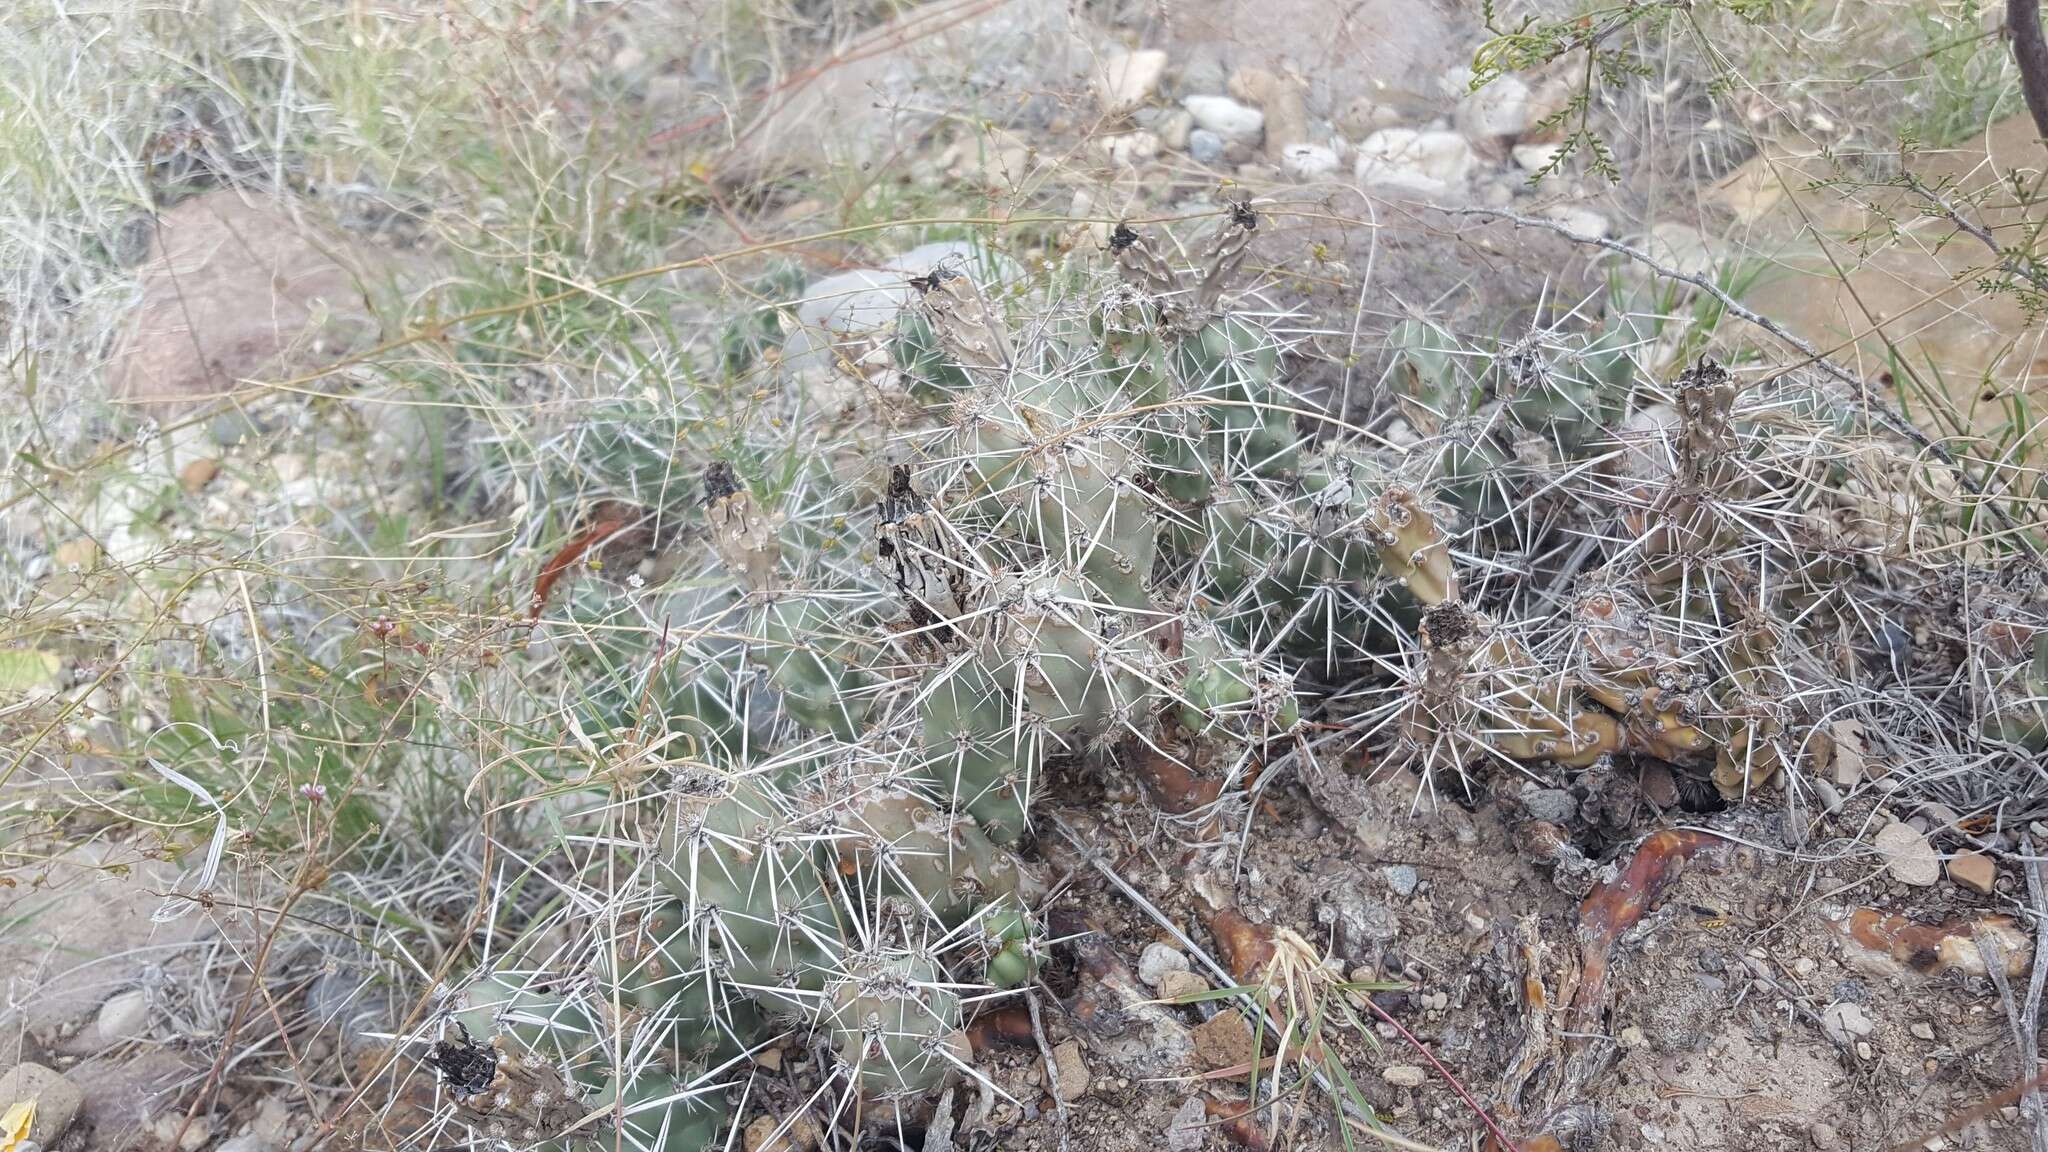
743, 536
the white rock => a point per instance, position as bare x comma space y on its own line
1190, 1126
1308, 161
985, 264
1363, 116
1173, 129
1908, 855
856, 301
123, 1016
1535, 157
1404, 1075
1845, 1021
1498, 110
628, 59
1580, 221
1683, 247
1226, 117
1429, 163
1156, 961
1128, 79
1130, 149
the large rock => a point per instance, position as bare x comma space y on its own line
839, 310
1227, 118
240, 288
56, 1099
1128, 79
1425, 163
91, 924
1281, 99
876, 95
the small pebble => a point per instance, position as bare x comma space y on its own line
1402, 878
1225, 1040
197, 474
1227, 118
1498, 109
1130, 149
1845, 1020
1824, 1137
1583, 223
1157, 960
1553, 804
1830, 796
1974, 871
800, 1136
1129, 78
1908, 855
56, 1098
1923, 1030
1070, 1072
1309, 161
1176, 985
1404, 1075
123, 1016
1173, 128
1190, 1126
1205, 147
1403, 160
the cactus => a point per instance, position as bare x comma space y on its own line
660, 1112
666, 974
1101, 528
742, 865
546, 1026
896, 1025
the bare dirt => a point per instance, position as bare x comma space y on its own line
1740, 1013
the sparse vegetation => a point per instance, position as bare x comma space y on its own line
614, 693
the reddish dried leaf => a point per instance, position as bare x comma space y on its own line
1173, 786
1246, 947
1237, 1120
558, 564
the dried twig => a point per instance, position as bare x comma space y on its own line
1052, 1077
2031, 1016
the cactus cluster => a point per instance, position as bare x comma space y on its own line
1106, 522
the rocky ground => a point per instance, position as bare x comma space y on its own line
1613, 964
